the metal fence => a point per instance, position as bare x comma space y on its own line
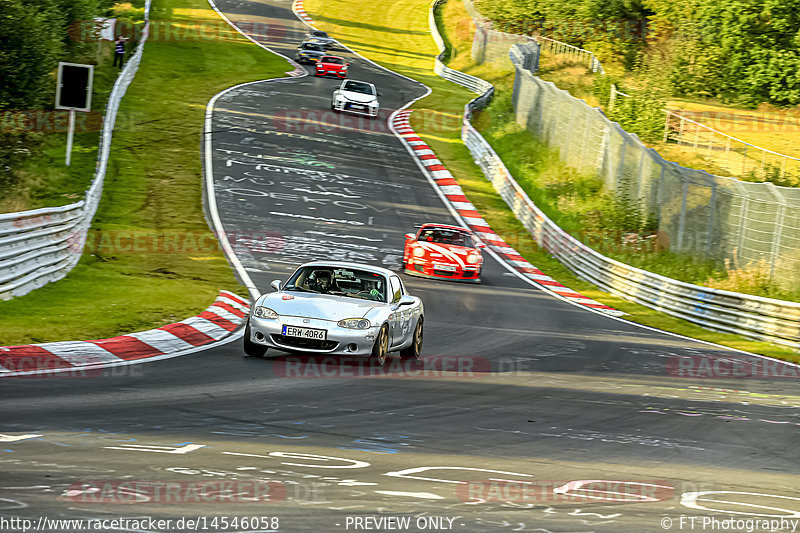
491, 46
752, 316
699, 213
736, 156
44, 245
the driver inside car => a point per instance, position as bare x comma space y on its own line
373, 288
324, 282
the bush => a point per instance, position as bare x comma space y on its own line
641, 113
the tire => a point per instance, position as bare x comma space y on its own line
415, 350
252, 349
381, 347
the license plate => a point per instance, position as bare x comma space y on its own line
356, 106
305, 333
447, 268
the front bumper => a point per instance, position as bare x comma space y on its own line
342, 74
428, 270
339, 341
347, 108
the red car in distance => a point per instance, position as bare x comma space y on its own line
444, 252
332, 65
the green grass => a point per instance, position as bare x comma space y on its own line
153, 186
406, 47
44, 180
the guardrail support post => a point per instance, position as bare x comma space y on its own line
712, 205
682, 219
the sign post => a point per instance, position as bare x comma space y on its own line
74, 93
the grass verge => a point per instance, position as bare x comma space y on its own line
398, 38
153, 194
44, 180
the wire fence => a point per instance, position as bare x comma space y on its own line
738, 157
752, 316
698, 213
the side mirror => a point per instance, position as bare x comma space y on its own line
480, 245
406, 300
410, 236
380, 94
276, 284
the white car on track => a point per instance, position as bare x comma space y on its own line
355, 96
337, 308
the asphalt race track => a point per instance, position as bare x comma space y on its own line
516, 390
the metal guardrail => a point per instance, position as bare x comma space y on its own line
765, 319
44, 245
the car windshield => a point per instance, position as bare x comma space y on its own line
446, 236
350, 282
321, 34
333, 60
312, 46
358, 87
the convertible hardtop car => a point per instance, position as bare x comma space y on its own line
443, 251
320, 37
337, 308
310, 52
334, 65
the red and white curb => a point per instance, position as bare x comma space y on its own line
300, 11
218, 321
450, 189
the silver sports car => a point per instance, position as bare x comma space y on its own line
337, 308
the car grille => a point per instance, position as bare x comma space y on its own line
443, 272
307, 344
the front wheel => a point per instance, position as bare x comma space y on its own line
252, 349
414, 351
381, 346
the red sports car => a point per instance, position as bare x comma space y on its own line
332, 65
442, 251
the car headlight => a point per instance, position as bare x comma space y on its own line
264, 312
473, 258
354, 323
418, 251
